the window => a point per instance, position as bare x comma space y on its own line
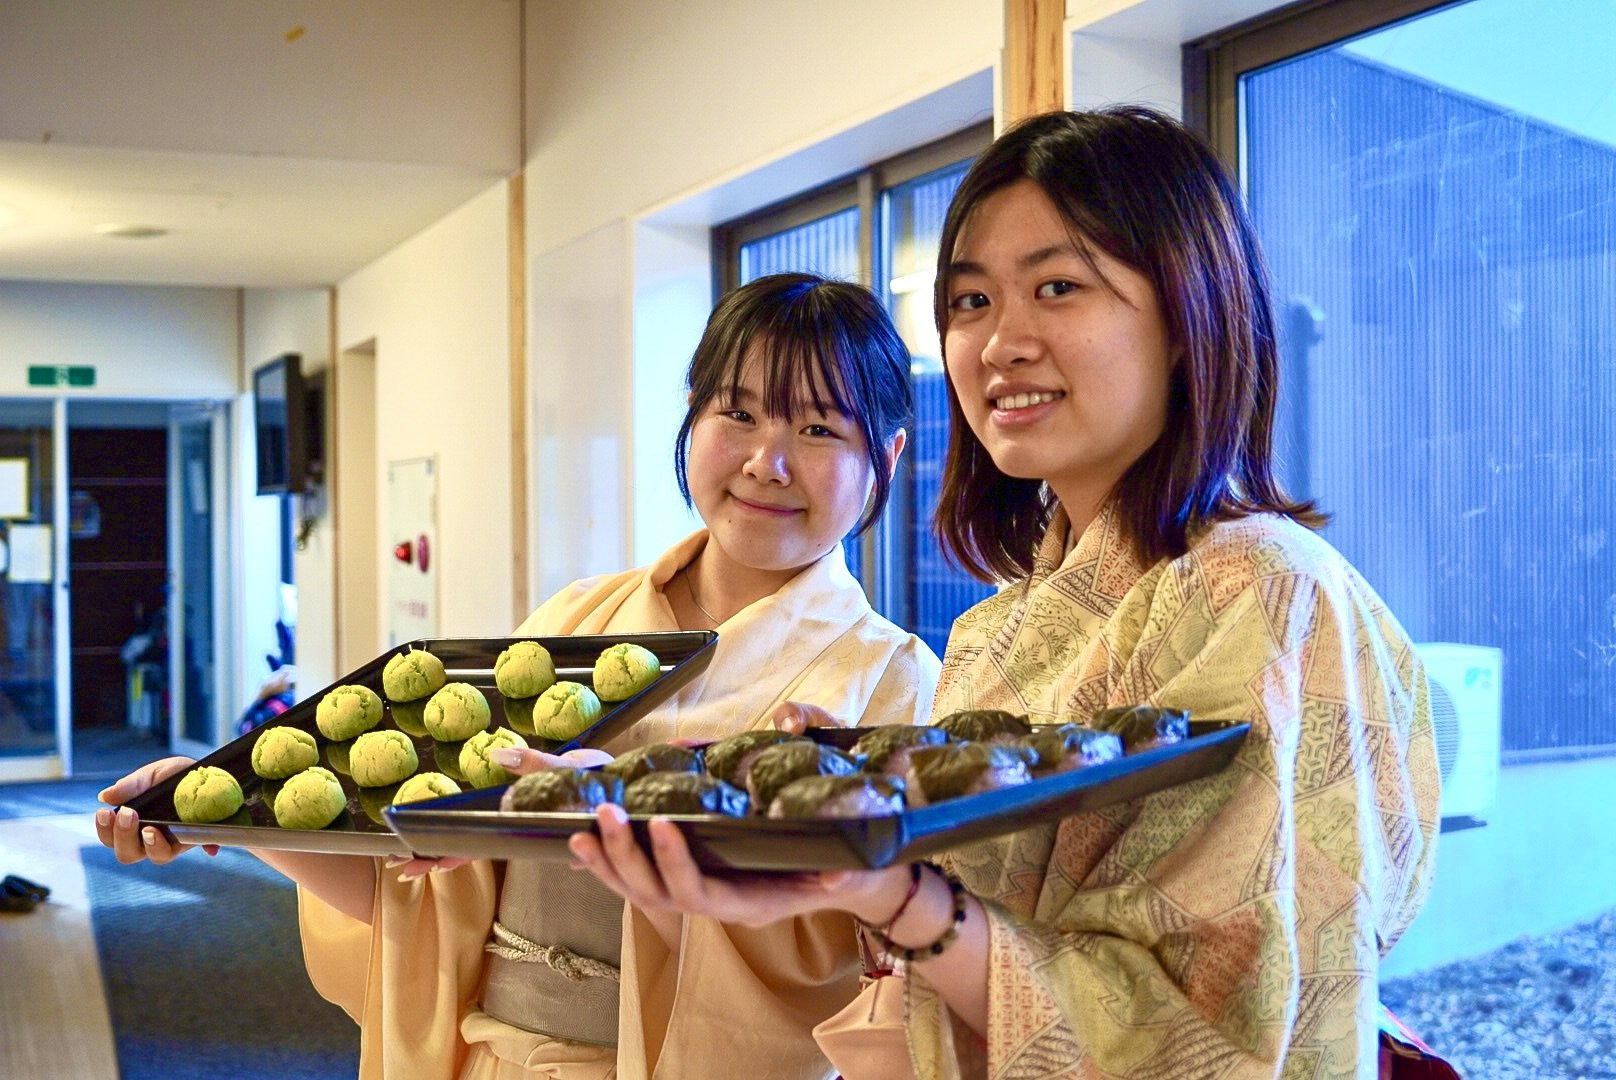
1435, 199
883, 225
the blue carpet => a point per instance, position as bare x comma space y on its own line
37, 798
204, 972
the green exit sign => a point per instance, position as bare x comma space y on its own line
61, 375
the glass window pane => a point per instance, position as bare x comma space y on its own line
27, 599
827, 246
1436, 203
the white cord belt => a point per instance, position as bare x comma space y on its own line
513, 946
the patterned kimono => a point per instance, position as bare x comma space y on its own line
1228, 927
725, 994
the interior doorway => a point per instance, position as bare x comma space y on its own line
118, 564
115, 592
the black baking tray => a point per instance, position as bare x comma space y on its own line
470, 825
359, 829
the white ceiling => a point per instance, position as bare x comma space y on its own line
287, 143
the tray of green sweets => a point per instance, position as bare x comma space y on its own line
359, 827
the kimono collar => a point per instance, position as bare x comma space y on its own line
1103, 541
836, 595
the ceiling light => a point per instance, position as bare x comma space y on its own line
131, 232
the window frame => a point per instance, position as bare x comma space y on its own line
884, 572
1214, 64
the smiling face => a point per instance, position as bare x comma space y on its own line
776, 492
1061, 363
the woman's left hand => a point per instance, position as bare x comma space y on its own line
520, 762
673, 882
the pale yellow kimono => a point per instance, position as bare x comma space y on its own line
1229, 927
732, 1001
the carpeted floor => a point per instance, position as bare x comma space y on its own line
37, 798
204, 974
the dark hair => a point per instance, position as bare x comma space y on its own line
831, 337
1140, 187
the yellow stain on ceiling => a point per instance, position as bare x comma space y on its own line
293, 34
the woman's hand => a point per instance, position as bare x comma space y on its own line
522, 762
675, 883
121, 830
797, 717
513, 760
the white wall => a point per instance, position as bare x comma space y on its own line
631, 104
437, 310
276, 321
143, 341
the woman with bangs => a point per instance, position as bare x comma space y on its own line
799, 400
1109, 345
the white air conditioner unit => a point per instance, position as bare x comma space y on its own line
1467, 713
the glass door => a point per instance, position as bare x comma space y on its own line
198, 569
34, 705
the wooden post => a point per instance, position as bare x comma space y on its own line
1034, 59
516, 273
516, 228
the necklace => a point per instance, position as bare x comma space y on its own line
691, 589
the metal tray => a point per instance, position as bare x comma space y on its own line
470, 825
360, 829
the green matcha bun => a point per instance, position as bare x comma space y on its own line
310, 800
519, 714
457, 711
278, 752
412, 676
206, 794
524, 670
379, 758
474, 763
565, 711
624, 670
427, 785
347, 711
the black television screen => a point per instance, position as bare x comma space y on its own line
280, 428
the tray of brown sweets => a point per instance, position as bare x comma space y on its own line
354, 821
838, 798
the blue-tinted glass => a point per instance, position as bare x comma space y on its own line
1445, 272
827, 246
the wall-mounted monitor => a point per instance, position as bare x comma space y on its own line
289, 419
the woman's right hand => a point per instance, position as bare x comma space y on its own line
120, 829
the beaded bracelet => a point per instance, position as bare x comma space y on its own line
957, 894
914, 889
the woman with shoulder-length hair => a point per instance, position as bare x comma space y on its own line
1109, 344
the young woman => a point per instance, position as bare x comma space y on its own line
1106, 330
799, 394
